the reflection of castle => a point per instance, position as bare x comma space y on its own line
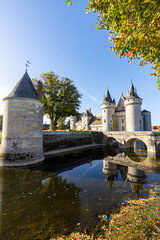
126, 116
135, 176
111, 171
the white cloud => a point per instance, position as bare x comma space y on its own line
88, 95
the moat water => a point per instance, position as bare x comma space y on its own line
70, 193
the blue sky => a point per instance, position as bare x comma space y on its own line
55, 36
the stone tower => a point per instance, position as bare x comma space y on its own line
87, 116
73, 120
22, 136
108, 113
147, 125
133, 111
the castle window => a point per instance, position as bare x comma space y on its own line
122, 128
104, 120
104, 110
122, 120
112, 115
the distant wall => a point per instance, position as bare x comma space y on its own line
59, 140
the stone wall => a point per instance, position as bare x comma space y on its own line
22, 136
59, 140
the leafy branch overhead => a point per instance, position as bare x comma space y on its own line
134, 27
61, 98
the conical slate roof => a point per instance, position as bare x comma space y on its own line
132, 92
24, 89
108, 97
144, 111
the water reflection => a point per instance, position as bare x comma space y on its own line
135, 176
37, 208
67, 194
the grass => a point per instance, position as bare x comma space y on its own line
137, 220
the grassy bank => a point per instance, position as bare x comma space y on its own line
138, 219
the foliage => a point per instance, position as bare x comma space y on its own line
61, 124
1, 121
134, 27
61, 98
138, 219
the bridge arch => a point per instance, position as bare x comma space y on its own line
136, 149
125, 139
135, 141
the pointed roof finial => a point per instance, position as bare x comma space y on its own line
131, 91
27, 65
108, 96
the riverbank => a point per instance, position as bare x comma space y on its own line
138, 219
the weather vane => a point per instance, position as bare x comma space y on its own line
27, 65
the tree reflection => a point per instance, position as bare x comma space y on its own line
37, 208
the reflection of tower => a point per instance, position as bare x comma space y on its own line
137, 178
111, 171
133, 111
108, 113
123, 171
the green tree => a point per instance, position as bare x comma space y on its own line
61, 124
1, 121
134, 27
61, 98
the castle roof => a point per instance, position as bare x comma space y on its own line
88, 113
120, 105
108, 98
24, 89
144, 111
97, 121
132, 92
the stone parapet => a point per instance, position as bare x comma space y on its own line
60, 140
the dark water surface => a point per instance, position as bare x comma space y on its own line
70, 195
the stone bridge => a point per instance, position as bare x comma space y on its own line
128, 139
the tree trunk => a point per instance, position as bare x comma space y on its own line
52, 125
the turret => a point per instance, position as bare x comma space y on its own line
147, 126
108, 113
73, 120
22, 136
86, 118
133, 110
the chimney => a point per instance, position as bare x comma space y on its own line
40, 87
89, 110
